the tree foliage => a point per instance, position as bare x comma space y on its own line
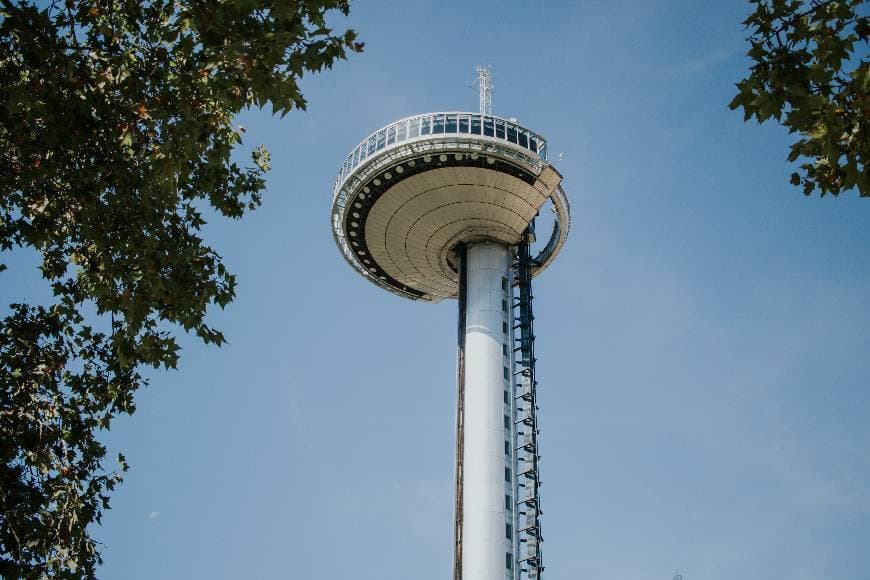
116, 135
811, 73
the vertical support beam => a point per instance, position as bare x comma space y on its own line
487, 551
460, 409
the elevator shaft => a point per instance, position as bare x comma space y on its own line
497, 525
485, 417
529, 565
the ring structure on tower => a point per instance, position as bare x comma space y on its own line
411, 191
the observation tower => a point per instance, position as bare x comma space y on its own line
442, 205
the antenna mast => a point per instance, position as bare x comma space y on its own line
484, 88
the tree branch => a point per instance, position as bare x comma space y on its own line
798, 15
10, 7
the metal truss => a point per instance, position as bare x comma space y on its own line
528, 539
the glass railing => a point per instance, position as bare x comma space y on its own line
436, 124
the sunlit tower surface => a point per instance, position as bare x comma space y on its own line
442, 205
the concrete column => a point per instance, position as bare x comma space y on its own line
487, 487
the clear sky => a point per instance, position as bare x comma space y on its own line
703, 339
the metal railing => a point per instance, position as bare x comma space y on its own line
429, 125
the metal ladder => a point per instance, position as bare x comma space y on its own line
527, 522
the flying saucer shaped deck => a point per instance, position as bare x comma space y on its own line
410, 192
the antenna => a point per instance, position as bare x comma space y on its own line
484, 88
677, 575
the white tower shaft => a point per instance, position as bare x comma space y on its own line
487, 482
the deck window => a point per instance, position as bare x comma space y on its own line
451, 124
438, 124
523, 139
499, 129
488, 127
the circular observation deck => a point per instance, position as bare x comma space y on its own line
408, 193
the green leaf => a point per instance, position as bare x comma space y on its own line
806, 75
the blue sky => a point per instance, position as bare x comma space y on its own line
703, 339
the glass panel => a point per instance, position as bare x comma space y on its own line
356, 157
487, 126
363, 151
426, 125
463, 124
414, 128
451, 124
542, 153
499, 129
475, 125
391, 135
512, 133
373, 141
524, 139
533, 144
438, 124
403, 131
382, 139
